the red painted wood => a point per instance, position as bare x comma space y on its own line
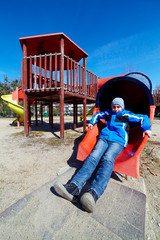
74, 116
88, 83
77, 78
55, 70
67, 73
84, 101
71, 75
93, 84
62, 88
74, 76
35, 72
45, 70
50, 44
30, 72
40, 71
36, 116
25, 80
80, 70
44, 63
50, 68
41, 113
82, 80
51, 115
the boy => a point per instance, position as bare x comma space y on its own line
113, 139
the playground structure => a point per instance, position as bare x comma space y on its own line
136, 90
51, 72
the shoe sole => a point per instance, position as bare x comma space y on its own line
88, 202
61, 190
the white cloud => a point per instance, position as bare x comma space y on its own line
131, 51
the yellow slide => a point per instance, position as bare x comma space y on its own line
12, 104
87, 113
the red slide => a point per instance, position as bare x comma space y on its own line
135, 88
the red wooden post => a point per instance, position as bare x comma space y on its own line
35, 72
96, 85
67, 73
77, 77
74, 76
24, 80
80, 78
29, 115
62, 88
88, 84
55, 70
84, 100
91, 84
36, 118
45, 70
41, 113
74, 116
30, 72
49, 115
52, 115
71, 75
50, 68
40, 71
157, 96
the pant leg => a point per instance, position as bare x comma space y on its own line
90, 164
104, 172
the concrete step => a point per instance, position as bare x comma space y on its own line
119, 214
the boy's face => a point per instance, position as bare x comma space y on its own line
116, 108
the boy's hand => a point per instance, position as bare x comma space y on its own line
147, 132
90, 125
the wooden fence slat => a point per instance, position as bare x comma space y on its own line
30, 72
35, 72
71, 75
77, 78
50, 69
40, 71
45, 70
55, 70
67, 73
80, 79
74, 75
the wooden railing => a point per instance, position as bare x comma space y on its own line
44, 72
156, 96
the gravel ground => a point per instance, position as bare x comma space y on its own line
28, 163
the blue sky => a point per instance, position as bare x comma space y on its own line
118, 35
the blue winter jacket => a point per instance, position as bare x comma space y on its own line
118, 124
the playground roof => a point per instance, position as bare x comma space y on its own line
50, 43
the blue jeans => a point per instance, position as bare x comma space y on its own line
106, 152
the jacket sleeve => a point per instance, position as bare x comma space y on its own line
96, 117
140, 118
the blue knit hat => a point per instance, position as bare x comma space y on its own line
118, 101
